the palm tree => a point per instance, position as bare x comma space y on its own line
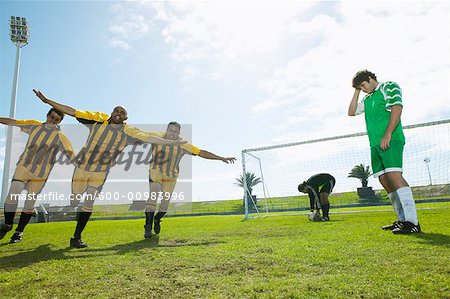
361, 172
250, 178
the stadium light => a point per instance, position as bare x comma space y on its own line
427, 161
19, 31
20, 35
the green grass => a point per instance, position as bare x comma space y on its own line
225, 257
218, 207
236, 205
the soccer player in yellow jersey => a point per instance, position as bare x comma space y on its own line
108, 136
34, 166
164, 169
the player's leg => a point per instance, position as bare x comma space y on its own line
25, 217
393, 162
83, 217
325, 205
410, 221
10, 206
312, 202
168, 186
95, 181
155, 184
323, 197
393, 197
33, 187
150, 208
79, 186
379, 171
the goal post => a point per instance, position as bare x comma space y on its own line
280, 168
250, 201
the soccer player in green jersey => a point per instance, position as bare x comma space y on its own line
382, 107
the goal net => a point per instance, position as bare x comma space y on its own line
281, 168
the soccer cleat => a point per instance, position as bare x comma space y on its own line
4, 229
77, 243
407, 227
157, 226
324, 218
148, 231
16, 238
315, 216
391, 226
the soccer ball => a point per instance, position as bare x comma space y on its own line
314, 216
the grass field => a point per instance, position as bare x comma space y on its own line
225, 257
276, 203
236, 206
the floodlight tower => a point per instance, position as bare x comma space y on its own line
20, 35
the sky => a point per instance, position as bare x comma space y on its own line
243, 74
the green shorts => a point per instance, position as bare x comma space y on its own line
390, 160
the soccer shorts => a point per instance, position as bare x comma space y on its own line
327, 188
390, 160
33, 183
167, 183
82, 179
167, 186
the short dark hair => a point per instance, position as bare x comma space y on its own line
361, 76
302, 187
174, 123
56, 111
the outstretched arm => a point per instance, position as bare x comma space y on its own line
8, 121
63, 108
163, 141
150, 137
23, 124
208, 155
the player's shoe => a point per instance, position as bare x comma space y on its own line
148, 231
407, 227
157, 226
77, 243
391, 226
16, 238
315, 216
4, 229
324, 218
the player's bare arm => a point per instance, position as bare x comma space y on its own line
163, 141
7, 121
63, 108
208, 155
354, 102
396, 112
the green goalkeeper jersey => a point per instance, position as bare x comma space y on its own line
377, 110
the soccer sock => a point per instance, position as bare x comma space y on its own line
159, 215
311, 204
326, 210
409, 207
9, 210
397, 206
83, 218
23, 221
149, 217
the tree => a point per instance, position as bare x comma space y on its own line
361, 172
251, 179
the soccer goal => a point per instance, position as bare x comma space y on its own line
274, 172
